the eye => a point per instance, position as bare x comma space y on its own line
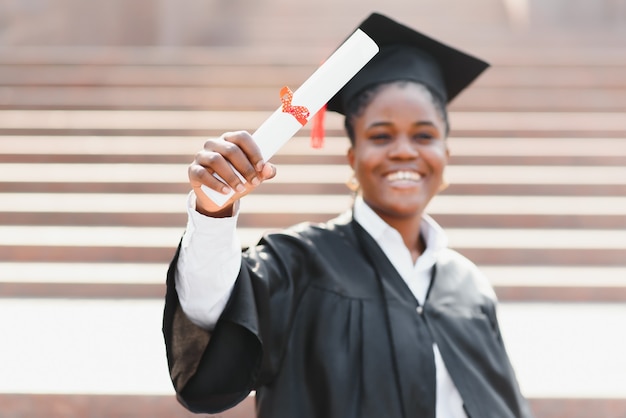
380, 137
425, 137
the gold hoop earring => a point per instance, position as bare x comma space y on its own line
353, 184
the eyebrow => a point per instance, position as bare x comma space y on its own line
416, 124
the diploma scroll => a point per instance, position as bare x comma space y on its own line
314, 93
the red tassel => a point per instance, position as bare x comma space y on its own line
317, 128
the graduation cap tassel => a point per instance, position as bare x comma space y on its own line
317, 128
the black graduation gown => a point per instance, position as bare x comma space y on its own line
307, 327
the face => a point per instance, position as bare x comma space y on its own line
399, 151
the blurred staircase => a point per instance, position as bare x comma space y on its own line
94, 145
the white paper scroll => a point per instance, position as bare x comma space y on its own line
314, 93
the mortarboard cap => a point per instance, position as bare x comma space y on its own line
406, 54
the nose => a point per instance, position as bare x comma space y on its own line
403, 148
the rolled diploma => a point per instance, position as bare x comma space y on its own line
314, 93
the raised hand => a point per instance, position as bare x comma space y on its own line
225, 156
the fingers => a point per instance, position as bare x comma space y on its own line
237, 162
240, 154
199, 175
268, 171
227, 156
243, 140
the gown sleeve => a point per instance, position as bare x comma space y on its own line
522, 406
214, 371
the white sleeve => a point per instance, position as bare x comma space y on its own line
208, 265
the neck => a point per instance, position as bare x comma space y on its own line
409, 229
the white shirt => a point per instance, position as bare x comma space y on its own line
205, 283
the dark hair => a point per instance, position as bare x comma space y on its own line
356, 106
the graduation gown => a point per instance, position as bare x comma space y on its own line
321, 325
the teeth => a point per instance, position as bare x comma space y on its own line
404, 175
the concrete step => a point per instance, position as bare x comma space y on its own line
554, 99
180, 149
184, 146
163, 406
163, 237
276, 210
89, 252
106, 406
595, 124
276, 187
583, 50
279, 219
328, 205
505, 180
515, 76
103, 354
316, 158
315, 174
156, 244
146, 280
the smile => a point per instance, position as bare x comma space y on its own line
404, 176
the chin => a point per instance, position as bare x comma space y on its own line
402, 210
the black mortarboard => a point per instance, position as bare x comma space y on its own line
409, 55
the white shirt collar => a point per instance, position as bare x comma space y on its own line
434, 236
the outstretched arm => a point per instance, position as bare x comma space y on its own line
210, 253
202, 275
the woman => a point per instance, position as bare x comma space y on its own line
368, 315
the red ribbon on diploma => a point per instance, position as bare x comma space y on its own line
301, 113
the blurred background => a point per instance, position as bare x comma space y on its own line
103, 105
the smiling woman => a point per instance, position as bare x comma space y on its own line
398, 155
367, 315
